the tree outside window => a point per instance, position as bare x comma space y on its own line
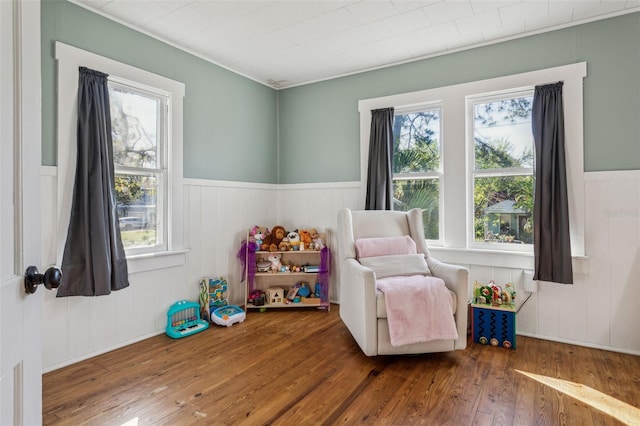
503, 180
138, 127
417, 165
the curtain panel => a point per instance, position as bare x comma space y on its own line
551, 240
380, 165
94, 261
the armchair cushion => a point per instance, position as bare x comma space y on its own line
383, 246
397, 265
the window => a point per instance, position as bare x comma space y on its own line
417, 166
480, 167
139, 125
146, 121
501, 146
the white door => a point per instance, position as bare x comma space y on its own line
20, 164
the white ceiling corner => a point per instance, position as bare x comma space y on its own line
285, 43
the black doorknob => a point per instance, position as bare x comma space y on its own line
32, 278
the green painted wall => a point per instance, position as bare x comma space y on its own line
238, 130
319, 123
229, 121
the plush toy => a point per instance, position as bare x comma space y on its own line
317, 242
274, 258
284, 244
271, 241
294, 240
305, 240
256, 235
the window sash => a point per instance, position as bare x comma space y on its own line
160, 172
434, 174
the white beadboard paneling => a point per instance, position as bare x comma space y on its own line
527, 317
102, 328
599, 310
55, 329
171, 287
481, 274
502, 276
79, 326
598, 285
145, 294
193, 210
208, 229
219, 215
125, 313
548, 305
572, 315
315, 205
624, 228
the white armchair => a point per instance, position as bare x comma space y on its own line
362, 306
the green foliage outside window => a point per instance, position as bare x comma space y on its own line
416, 156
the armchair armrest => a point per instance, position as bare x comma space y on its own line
358, 304
456, 278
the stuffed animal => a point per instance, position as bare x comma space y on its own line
305, 240
257, 235
294, 240
271, 241
284, 244
274, 258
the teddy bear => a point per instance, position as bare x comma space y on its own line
272, 240
274, 258
284, 244
305, 239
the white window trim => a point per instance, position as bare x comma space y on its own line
454, 153
161, 170
69, 59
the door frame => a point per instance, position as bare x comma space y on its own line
21, 139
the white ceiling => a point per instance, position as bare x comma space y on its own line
284, 43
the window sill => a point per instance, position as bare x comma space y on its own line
498, 258
154, 261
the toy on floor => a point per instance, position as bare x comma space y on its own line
183, 319
228, 315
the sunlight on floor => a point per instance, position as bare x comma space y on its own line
622, 411
132, 422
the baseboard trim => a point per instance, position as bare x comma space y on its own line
580, 343
100, 352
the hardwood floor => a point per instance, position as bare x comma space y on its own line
299, 367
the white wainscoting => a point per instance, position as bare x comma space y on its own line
599, 310
77, 328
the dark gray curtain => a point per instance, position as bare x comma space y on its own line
94, 261
380, 170
551, 241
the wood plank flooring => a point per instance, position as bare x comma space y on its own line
301, 367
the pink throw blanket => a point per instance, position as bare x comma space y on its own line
419, 309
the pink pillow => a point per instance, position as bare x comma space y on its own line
385, 246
